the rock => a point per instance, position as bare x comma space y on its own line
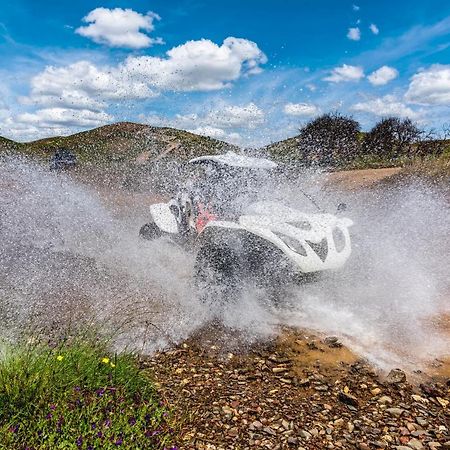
270, 431
434, 445
332, 341
348, 398
396, 376
304, 434
375, 391
292, 440
364, 446
442, 402
421, 421
233, 432
385, 399
396, 412
279, 369
415, 444
257, 424
402, 447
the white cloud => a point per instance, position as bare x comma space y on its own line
119, 28
225, 122
430, 86
354, 34
227, 116
389, 105
374, 29
382, 75
198, 65
345, 73
48, 117
246, 116
217, 133
356, 7
82, 85
301, 109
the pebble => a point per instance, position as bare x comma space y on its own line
385, 399
375, 391
415, 444
396, 412
304, 434
396, 376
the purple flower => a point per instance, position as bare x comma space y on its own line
52, 407
48, 416
107, 423
132, 421
77, 389
93, 426
79, 441
119, 442
100, 434
100, 392
14, 429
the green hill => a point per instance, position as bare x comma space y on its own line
123, 142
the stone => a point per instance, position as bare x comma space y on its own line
233, 432
375, 391
385, 399
415, 444
332, 341
304, 434
396, 412
348, 398
396, 376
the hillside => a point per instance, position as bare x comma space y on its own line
123, 142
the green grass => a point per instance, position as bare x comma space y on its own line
76, 396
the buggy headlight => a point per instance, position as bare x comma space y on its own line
339, 239
292, 243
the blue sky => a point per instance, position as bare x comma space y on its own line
249, 72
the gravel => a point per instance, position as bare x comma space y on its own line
274, 397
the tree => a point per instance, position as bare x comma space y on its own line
391, 138
329, 140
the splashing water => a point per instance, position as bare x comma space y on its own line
68, 260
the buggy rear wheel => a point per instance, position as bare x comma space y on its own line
150, 231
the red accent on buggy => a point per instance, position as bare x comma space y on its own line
204, 216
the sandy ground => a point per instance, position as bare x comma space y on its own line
358, 179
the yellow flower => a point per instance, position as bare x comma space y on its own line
105, 360
60, 357
113, 365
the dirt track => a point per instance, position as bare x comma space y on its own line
298, 392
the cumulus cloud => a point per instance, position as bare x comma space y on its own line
64, 117
345, 73
198, 65
120, 28
217, 133
374, 29
382, 75
66, 94
356, 7
430, 86
389, 105
301, 109
354, 34
226, 122
194, 66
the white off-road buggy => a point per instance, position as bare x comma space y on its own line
237, 237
